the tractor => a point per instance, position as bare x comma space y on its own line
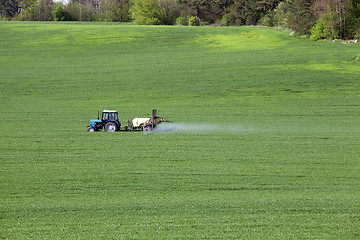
110, 122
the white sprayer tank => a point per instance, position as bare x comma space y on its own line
138, 122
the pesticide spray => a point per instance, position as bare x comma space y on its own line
197, 128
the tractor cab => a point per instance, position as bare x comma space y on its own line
109, 122
109, 115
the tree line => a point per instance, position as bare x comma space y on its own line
332, 19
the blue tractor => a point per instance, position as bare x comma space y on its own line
108, 122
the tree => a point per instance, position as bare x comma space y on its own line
206, 10
301, 17
42, 10
9, 8
243, 12
282, 15
339, 15
79, 11
116, 10
154, 12
38, 10
59, 13
82, 10
145, 12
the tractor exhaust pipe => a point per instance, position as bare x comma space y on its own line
154, 113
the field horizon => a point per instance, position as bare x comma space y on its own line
266, 144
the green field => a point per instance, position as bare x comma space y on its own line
281, 159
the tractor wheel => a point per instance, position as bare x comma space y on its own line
110, 127
146, 128
91, 129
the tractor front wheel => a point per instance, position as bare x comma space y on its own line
110, 127
91, 129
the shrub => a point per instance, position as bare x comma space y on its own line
267, 20
324, 29
194, 21
317, 31
226, 20
181, 21
206, 23
99, 17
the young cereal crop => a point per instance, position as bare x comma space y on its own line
266, 144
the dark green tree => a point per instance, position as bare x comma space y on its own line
9, 8
301, 17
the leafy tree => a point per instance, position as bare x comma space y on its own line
83, 10
154, 12
116, 10
340, 15
145, 12
42, 10
39, 10
169, 11
206, 10
323, 29
243, 12
236, 14
282, 14
59, 13
79, 11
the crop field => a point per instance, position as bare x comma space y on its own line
268, 146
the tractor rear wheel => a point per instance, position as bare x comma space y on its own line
110, 127
146, 128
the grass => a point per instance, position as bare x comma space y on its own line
282, 162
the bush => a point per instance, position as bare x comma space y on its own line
317, 31
267, 20
194, 21
181, 21
99, 17
323, 29
226, 20
206, 23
